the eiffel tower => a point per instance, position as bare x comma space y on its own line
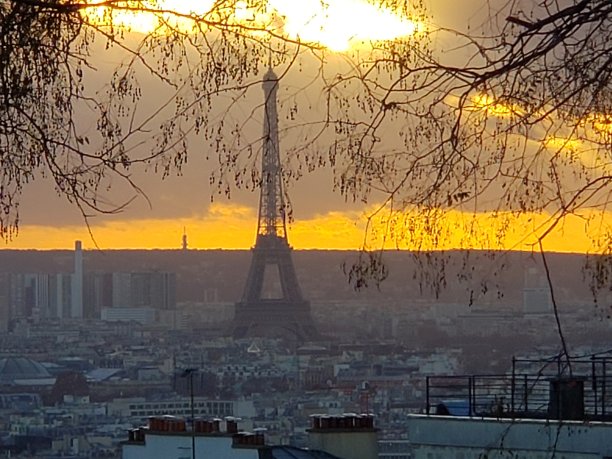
272, 304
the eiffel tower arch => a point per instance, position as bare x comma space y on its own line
272, 304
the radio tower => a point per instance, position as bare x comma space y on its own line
272, 304
184, 239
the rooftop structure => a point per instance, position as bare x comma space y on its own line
332, 437
552, 406
579, 389
21, 371
349, 436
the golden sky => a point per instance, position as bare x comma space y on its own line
311, 21
325, 222
232, 226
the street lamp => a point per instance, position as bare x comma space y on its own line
188, 373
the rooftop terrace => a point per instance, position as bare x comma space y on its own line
557, 388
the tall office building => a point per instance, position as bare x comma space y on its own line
5, 305
155, 289
76, 311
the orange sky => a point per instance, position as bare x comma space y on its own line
311, 21
232, 226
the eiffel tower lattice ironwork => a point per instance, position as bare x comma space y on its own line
272, 304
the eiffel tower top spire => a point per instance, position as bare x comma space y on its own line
271, 200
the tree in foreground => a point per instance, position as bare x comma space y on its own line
510, 127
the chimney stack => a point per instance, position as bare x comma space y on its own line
348, 436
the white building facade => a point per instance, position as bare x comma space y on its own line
456, 437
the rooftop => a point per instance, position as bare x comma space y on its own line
14, 370
556, 388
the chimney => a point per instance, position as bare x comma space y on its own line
248, 440
216, 425
348, 436
231, 424
566, 398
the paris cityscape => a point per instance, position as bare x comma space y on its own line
75, 384
334, 231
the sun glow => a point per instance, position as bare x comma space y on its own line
337, 24
334, 24
601, 123
563, 143
493, 107
148, 16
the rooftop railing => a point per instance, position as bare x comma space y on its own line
556, 388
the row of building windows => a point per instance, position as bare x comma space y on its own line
176, 412
210, 406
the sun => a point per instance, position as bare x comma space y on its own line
335, 24
340, 23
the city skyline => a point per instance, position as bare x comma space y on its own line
231, 226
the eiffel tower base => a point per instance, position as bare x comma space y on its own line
274, 319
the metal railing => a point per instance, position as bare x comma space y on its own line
541, 389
